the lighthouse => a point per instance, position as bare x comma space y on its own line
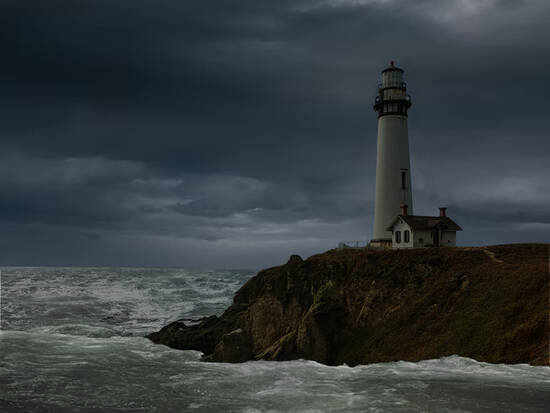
393, 170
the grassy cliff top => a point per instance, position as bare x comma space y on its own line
361, 306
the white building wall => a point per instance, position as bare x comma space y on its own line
422, 237
392, 158
402, 226
448, 238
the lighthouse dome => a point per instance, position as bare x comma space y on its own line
392, 67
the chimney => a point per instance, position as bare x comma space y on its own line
403, 210
442, 212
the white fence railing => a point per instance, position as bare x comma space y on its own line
352, 244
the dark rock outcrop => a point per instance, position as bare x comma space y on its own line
365, 306
233, 347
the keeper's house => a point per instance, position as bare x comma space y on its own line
413, 231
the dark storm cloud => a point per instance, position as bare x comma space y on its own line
145, 126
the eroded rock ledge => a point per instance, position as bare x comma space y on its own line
364, 306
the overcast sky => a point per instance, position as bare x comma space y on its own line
233, 133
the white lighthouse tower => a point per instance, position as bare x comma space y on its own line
393, 170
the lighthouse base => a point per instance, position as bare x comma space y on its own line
382, 243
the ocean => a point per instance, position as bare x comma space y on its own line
71, 340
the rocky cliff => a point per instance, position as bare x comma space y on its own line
363, 306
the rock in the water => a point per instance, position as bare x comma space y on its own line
365, 306
202, 336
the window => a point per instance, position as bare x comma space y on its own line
397, 237
406, 236
421, 240
403, 180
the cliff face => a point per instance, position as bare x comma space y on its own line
363, 306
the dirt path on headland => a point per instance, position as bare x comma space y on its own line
491, 255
